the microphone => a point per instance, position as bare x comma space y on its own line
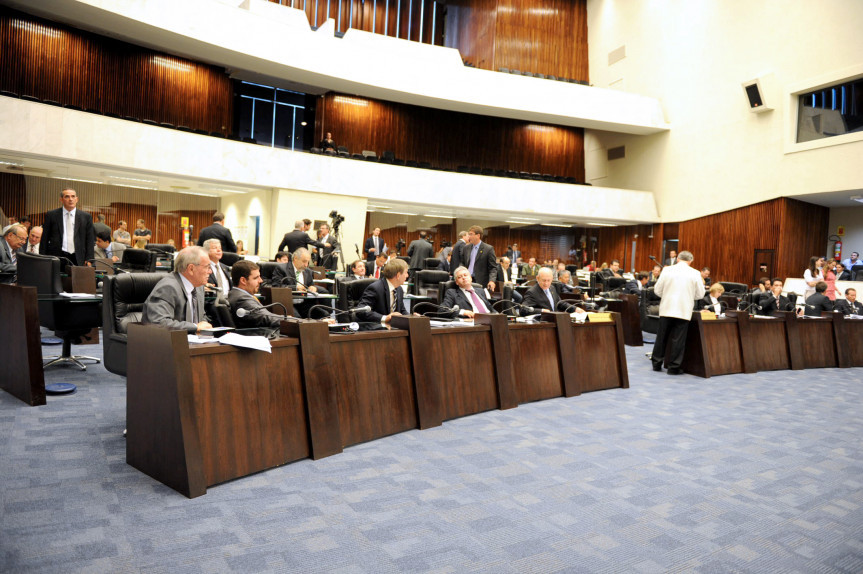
363, 309
566, 307
243, 312
451, 311
528, 310
99, 261
357, 247
653, 258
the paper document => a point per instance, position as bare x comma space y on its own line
79, 295
249, 342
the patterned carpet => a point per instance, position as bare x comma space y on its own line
741, 473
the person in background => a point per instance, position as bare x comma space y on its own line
565, 278
374, 245
764, 286
654, 275
358, 270
812, 275
531, 268
218, 231
32, 245
773, 300
12, 240
853, 259
63, 221
850, 305
842, 274
829, 271
122, 235
711, 300
672, 257
141, 236
679, 286
246, 277
705, 276
818, 302
241, 249
100, 225
637, 285
107, 249
328, 143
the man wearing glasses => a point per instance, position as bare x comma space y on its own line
14, 237
177, 301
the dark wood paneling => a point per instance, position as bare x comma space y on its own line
468, 385
450, 139
537, 372
801, 234
470, 28
54, 62
21, 371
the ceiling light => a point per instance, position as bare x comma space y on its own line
12, 163
521, 222
127, 178
402, 213
601, 224
556, 225
351, 101
173, 64
77, 179
857, 198
199, 193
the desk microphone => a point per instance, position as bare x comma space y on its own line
441, 310
653, 258
363, 309
243, 312
528, 310
101, 262
567, 307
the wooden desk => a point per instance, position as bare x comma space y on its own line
812, 342
763, 342
628, 307
21, 372
849, 342
712, 347
201, 416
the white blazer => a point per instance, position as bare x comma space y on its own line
679, 286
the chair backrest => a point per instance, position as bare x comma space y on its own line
139, 260
41, 272
230, 258
615, 283
123, 297
223, 315
427, 279
267, 268
355, 289
167, 248
431, 263
734, 288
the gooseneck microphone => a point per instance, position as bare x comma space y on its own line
441, 310
243, 312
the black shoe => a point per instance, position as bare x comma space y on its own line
658, 367
675, 372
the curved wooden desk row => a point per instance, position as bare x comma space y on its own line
741, 344
201, 416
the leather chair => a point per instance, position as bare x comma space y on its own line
123, 297
138, 260
427, 280
267, 268
230, 258
164, 255
166, 247
649, 320
614, 285
431, 263
857, 272
354, 292
738, 289
69, 321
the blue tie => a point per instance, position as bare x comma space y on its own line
473, 253
550, 299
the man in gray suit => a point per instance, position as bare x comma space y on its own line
14, 238
177, 301
246, 277
420, 250
107, 249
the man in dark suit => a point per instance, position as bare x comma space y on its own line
386, 297
218, 231
358, 270
12, 240
297, 275
177, 301
470, 298
246, 277
506, 274
513, 252
375, 245
220, 274
419, 250
842, 274
376, 268
297, 238
479, 258
107, 249
328, 255
850, 305
672, 257
68, 232
818, 302
455, 258
773, 300
637, 285
542, 295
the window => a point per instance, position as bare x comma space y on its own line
274, 117
830, 111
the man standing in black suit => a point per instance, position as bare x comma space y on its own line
375, 245
850, 305
419, 250
818, 302
68, 232
672, 257
455, 258
470, 300
385, 297
479, 258
297, 238
218, 231
542, 295
773, 300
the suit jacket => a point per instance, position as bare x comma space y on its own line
370, 243
377, 296
708, 304
325, 254
168, 306
845, 307
769, 305
6, 265
370, 270
485, 265
220, 232
817, 303
116, 250
679, 286
296, 239
456, 260
528, 270
634, 287
456, 296
227, 271
285, 275
257, 316
444, 265
844, 276
671, 261
535, 297
419, 250
52, 235
505, 275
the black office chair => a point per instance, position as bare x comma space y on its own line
138, 260
354, 292
69, 321
164, 255
431, 263
427, 280
738, 289
230, 258
123, 299
857, 271
267, 268
614, 285
649, 309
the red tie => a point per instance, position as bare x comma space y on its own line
377, 272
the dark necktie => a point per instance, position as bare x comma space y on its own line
194, 293
393, 302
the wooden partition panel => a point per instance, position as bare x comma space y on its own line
21, 371
51, 61
450, 139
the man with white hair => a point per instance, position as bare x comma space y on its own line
297, 238
679, 286
542, 295
177, 301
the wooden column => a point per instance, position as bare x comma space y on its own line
568, 357
21, 371
747, 341
426, 370
795, 346
507, 397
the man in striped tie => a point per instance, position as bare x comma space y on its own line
33, 240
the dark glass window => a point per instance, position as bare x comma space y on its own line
831, 111
272, 116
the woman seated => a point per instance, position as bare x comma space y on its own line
711, 301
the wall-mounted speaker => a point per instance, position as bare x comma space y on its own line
756, 96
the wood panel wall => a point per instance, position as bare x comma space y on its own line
540, 36
450, 139
34, 196
395, 18
53, 62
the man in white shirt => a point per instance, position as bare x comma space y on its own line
679, 286
220, 274
470, 300
32, 245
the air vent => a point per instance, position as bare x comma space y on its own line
616, 55
616, 153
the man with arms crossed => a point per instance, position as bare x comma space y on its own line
177, 301
679, 286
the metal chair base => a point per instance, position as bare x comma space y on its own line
74, 359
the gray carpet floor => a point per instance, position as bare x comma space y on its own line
740, 473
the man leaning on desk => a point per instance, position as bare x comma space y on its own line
471, 299
386, 297
177, 301
246, 277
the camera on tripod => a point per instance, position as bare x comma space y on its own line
337, 220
